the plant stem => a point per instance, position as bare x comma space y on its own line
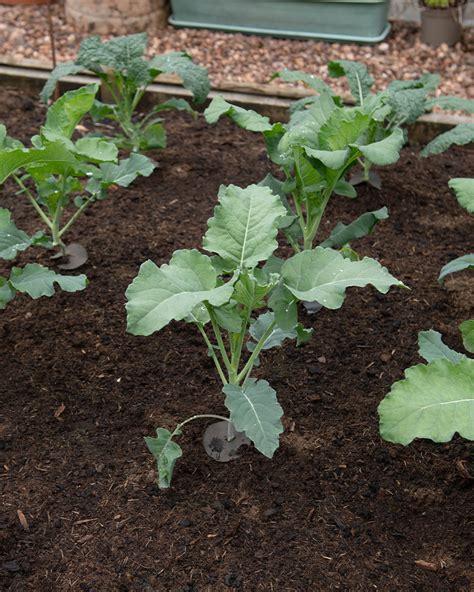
33, 201
237, 353
74, 217
244, 374
203, 416
212, 352
220, 343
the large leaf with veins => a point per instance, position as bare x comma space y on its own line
170, 292
323, 275
254, 409
245, 224
433, 401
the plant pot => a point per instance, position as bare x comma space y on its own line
360, 21
440, 25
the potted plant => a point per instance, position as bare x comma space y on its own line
441, 21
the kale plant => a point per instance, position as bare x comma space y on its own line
122, 69
33, 279
315, 151
242, 302
397, 106
58, 170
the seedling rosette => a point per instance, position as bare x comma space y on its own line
56, 170
34, 279
122, 69
436, 400
399, 105
242, 301
315, 151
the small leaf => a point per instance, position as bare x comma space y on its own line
254, 409
173, 103
246, 118
344, 233
153, 137
37, 280
61, 71
433, 401
460, 135
228, 318
7, 292
297, 76
12, 239
96, 149
54, 155
386, 151
458, 264
276, 337
345, 189
323, 275
451, 104
283, 304
245, 224
464, 190
63, 115
127, 170
302, 334
467, 332
166, 453
194, 76
360, 81
431, 348
160, 294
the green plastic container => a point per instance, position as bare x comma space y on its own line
360, 21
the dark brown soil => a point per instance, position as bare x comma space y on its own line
336, 509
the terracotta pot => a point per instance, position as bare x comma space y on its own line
440, 25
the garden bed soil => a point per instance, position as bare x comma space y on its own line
336, 509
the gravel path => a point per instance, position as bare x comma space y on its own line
252, 59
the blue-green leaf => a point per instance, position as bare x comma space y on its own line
458, 264
254, 409
166, 453
431, 348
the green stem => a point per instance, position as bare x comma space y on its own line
244, 374
237, 353
212, 352
33, 202
220, 342
74, 217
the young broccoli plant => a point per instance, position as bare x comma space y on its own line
33, 279
463, 187
56, 170
242, 303
434, 400
397, 106
122, 69
315, 151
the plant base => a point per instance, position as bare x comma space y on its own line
76, 256
374, 179
217, 445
